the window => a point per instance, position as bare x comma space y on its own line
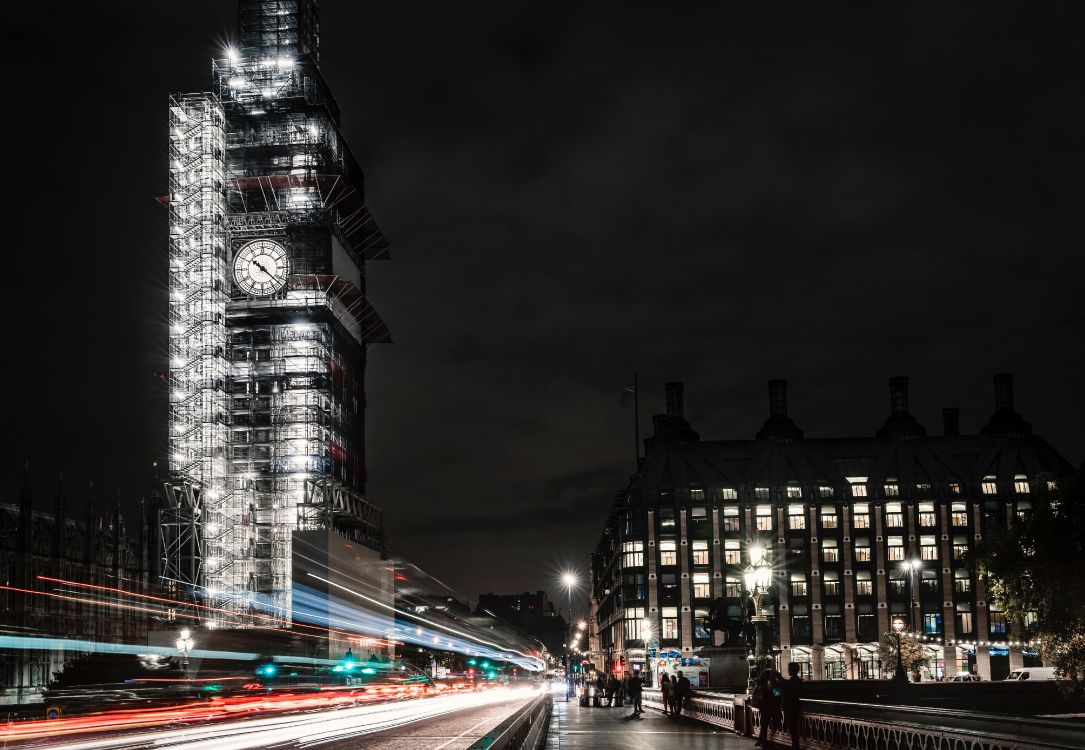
1032, 621
895, 548
700, 552
764, 518
800, 622
727, 493
863, 585
867, 623
634, 554
830, 552
761, 493
697, 496
928, 548
960, 547
894, 518
796, 517
732, 554
861, 515
730, 518
831, 582
954, 488
702, 587
699, 618
926, 515
923, 488
998, 621
1024, 507
825, 491
959, 514
698, 513
670, 623
798, 584
862, 549
896, 586
828, 516
929, 582
858, 490
932, 623
666, 519
667, 553
834, 623
988, 485
1052, 485
634, 617
965, 624
733, 587
892, 489
794, 490
962, 581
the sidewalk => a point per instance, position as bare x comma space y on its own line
573, 727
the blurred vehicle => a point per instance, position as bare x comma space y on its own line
964, 677
1033, 674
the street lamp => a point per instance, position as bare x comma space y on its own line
898, 625
648, 635
184, 646
569, 581
758, 578
912, 567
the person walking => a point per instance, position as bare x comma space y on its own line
636, 685
769, 692
790, 701
683, 690
665, 688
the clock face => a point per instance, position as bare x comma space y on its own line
261, 268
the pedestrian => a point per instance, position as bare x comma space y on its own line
612, 690
769, 683
636, 684
790, 701
683, 690
600, 688
665, 688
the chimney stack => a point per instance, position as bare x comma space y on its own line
674, 400
951, 421
1004, 392
898, 395
778, 399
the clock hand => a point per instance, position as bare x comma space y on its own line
260, 265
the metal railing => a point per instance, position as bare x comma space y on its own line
524, 730
903, 728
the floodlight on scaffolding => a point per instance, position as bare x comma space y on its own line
237, 82
231, 53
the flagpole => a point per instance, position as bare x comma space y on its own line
636, 422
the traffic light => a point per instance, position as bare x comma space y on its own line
267, 670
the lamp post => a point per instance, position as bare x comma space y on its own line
758, 578
898, 625
648, 635
569, 581
184, 647
912, 567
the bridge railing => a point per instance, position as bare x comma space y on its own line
524, 730
826, 731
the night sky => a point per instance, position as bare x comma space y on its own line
712, 193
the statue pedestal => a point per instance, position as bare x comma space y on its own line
728, 669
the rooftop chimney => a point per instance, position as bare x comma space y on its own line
778, 426
1004, 392
898, 395
674, 400
951, 421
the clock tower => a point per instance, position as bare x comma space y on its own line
270, 235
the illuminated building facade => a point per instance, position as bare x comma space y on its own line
269, 323
839, 520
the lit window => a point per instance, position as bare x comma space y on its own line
696, 496
670, 622
895, 548
700, 552
728, 494
828, 517
862, 550
896, 586
634, 554
764, 517
962, 581
863, 585
831, 583
761, 493
730, 518
634, 619
732, 554
733, 587
892, 489
959, 514
796, 517
1024, 507
794, 491
829, 550
954, 488
926, 514
998, 621
825, 491
928, 548
960, 547
965, 623
698, 513
894, 518
861, 515
932, 623
702, 587
858, 490
798, 584
1052, 485
929, 582
989, 486
923, 489
667, 553
1021, 485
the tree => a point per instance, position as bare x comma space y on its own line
911, 653
1033, 573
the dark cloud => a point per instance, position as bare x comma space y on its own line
714, 193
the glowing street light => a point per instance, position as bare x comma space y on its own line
758, 578
184, 647
912, 568
898, 625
